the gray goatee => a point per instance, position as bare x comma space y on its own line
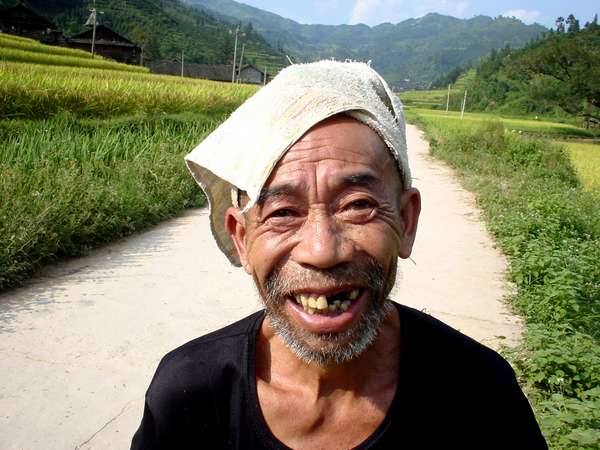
329, 348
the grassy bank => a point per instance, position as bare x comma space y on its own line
19, 49
586, 159
34, 91
70, 184
550, 230
88, 155
542, 127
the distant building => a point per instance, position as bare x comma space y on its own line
216, 72
23, 21
250, 74
108, 44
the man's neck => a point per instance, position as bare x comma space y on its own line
277, 364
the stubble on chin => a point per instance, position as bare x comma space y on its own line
328, 348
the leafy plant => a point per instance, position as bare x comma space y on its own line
550, 230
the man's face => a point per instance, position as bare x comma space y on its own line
323, 240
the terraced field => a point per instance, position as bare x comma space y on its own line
586, 159
540, 127
92, 150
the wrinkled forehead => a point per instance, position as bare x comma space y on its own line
341, 139
343, 150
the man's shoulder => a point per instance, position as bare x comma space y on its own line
218, 350
436, 344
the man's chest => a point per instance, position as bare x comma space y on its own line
333, 422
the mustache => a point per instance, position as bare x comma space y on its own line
289, 277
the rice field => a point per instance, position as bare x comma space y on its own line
586, 159
18, 49
37, 91
88, 155
31, 45
436, 98
541, 127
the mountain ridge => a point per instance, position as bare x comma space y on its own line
413, 49
164, 28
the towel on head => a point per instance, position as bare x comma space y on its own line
243, 150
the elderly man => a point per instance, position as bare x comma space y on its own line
310, 192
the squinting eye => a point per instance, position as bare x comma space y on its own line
360, 204
283, 212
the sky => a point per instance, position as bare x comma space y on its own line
373, 12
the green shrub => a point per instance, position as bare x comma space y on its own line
550, 230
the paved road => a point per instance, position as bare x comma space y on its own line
79, 344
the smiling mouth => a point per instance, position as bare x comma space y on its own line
327, 304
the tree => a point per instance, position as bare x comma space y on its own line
593, 25
560, 24
573, 24
573, 60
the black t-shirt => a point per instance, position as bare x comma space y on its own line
452, 393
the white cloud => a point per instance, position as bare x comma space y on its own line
375, 11
525, 16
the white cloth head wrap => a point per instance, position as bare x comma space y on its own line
243, 150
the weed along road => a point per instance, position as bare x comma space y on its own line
79, 343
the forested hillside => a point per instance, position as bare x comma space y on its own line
417, 49
557, 74
164, 28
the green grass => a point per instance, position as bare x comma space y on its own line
541, 127
69, 184
30, 51
586, 159
37, 91
31, 45
89, 155
436, 98
549, 228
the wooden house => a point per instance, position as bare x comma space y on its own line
22, 21
108, 44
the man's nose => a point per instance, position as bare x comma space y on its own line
321, 242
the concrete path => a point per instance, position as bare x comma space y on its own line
79, 344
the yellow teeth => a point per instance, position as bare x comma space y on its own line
318, 304
322, 302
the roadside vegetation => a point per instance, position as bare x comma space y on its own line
88, 155
549, 227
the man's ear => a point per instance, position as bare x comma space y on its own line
410, 208
235, 224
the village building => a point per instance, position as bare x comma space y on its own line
216, 72
22, 21
108, 44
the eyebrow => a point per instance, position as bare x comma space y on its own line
276, 191
366, 180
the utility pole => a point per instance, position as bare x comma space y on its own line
182, 59
94, 32
448, 99
92, 21
464, 104
265, 76
241, 60
237, 30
